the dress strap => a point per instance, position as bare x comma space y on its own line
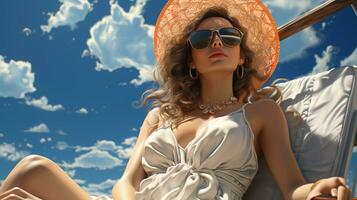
244, 105
251, 102
247, 122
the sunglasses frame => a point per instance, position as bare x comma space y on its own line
216, 31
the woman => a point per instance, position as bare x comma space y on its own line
214, 148
202, 139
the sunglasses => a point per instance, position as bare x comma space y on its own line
230, 36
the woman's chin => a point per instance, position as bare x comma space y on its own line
221, 64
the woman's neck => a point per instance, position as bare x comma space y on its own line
216, 88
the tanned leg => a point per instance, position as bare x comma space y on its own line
44, 179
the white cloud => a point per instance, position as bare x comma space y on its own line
351, 59
104, 154
61, 145
104, 145
325, 24
2, 134
29, 145
98, 159
27, 31
16, 78
296, 6
69, 14
294, 47
101, 189
43, 140
80, 148
41, 128
9, 152
60, 132
125, 151
122, 83
122, 39
80, 181
323, 61
82, 111
85, 53
42, 103
130, 141
71, 173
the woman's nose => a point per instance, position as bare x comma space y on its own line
216, 42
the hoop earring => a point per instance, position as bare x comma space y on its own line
193, 77
240, 75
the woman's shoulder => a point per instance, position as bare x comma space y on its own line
151, 120
259, 111
264, 102
154, 117
261, 105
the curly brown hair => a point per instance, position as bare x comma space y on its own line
178, 94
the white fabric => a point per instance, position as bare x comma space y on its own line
322, 141
218, 164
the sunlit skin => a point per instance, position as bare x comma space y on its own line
39, 178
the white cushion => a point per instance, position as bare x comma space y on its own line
322, 142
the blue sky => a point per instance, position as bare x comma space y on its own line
71, 70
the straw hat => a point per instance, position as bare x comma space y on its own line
262, 38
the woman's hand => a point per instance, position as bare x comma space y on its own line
17, 193
334, 186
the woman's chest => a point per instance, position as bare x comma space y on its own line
187, 131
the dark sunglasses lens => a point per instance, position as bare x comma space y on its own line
200, 39
230, 36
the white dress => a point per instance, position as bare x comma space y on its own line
219, 163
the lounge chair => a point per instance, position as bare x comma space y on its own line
323, 138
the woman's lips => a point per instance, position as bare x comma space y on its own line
218, 54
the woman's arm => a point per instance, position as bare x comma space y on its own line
134, 173
275, 145
123, 190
